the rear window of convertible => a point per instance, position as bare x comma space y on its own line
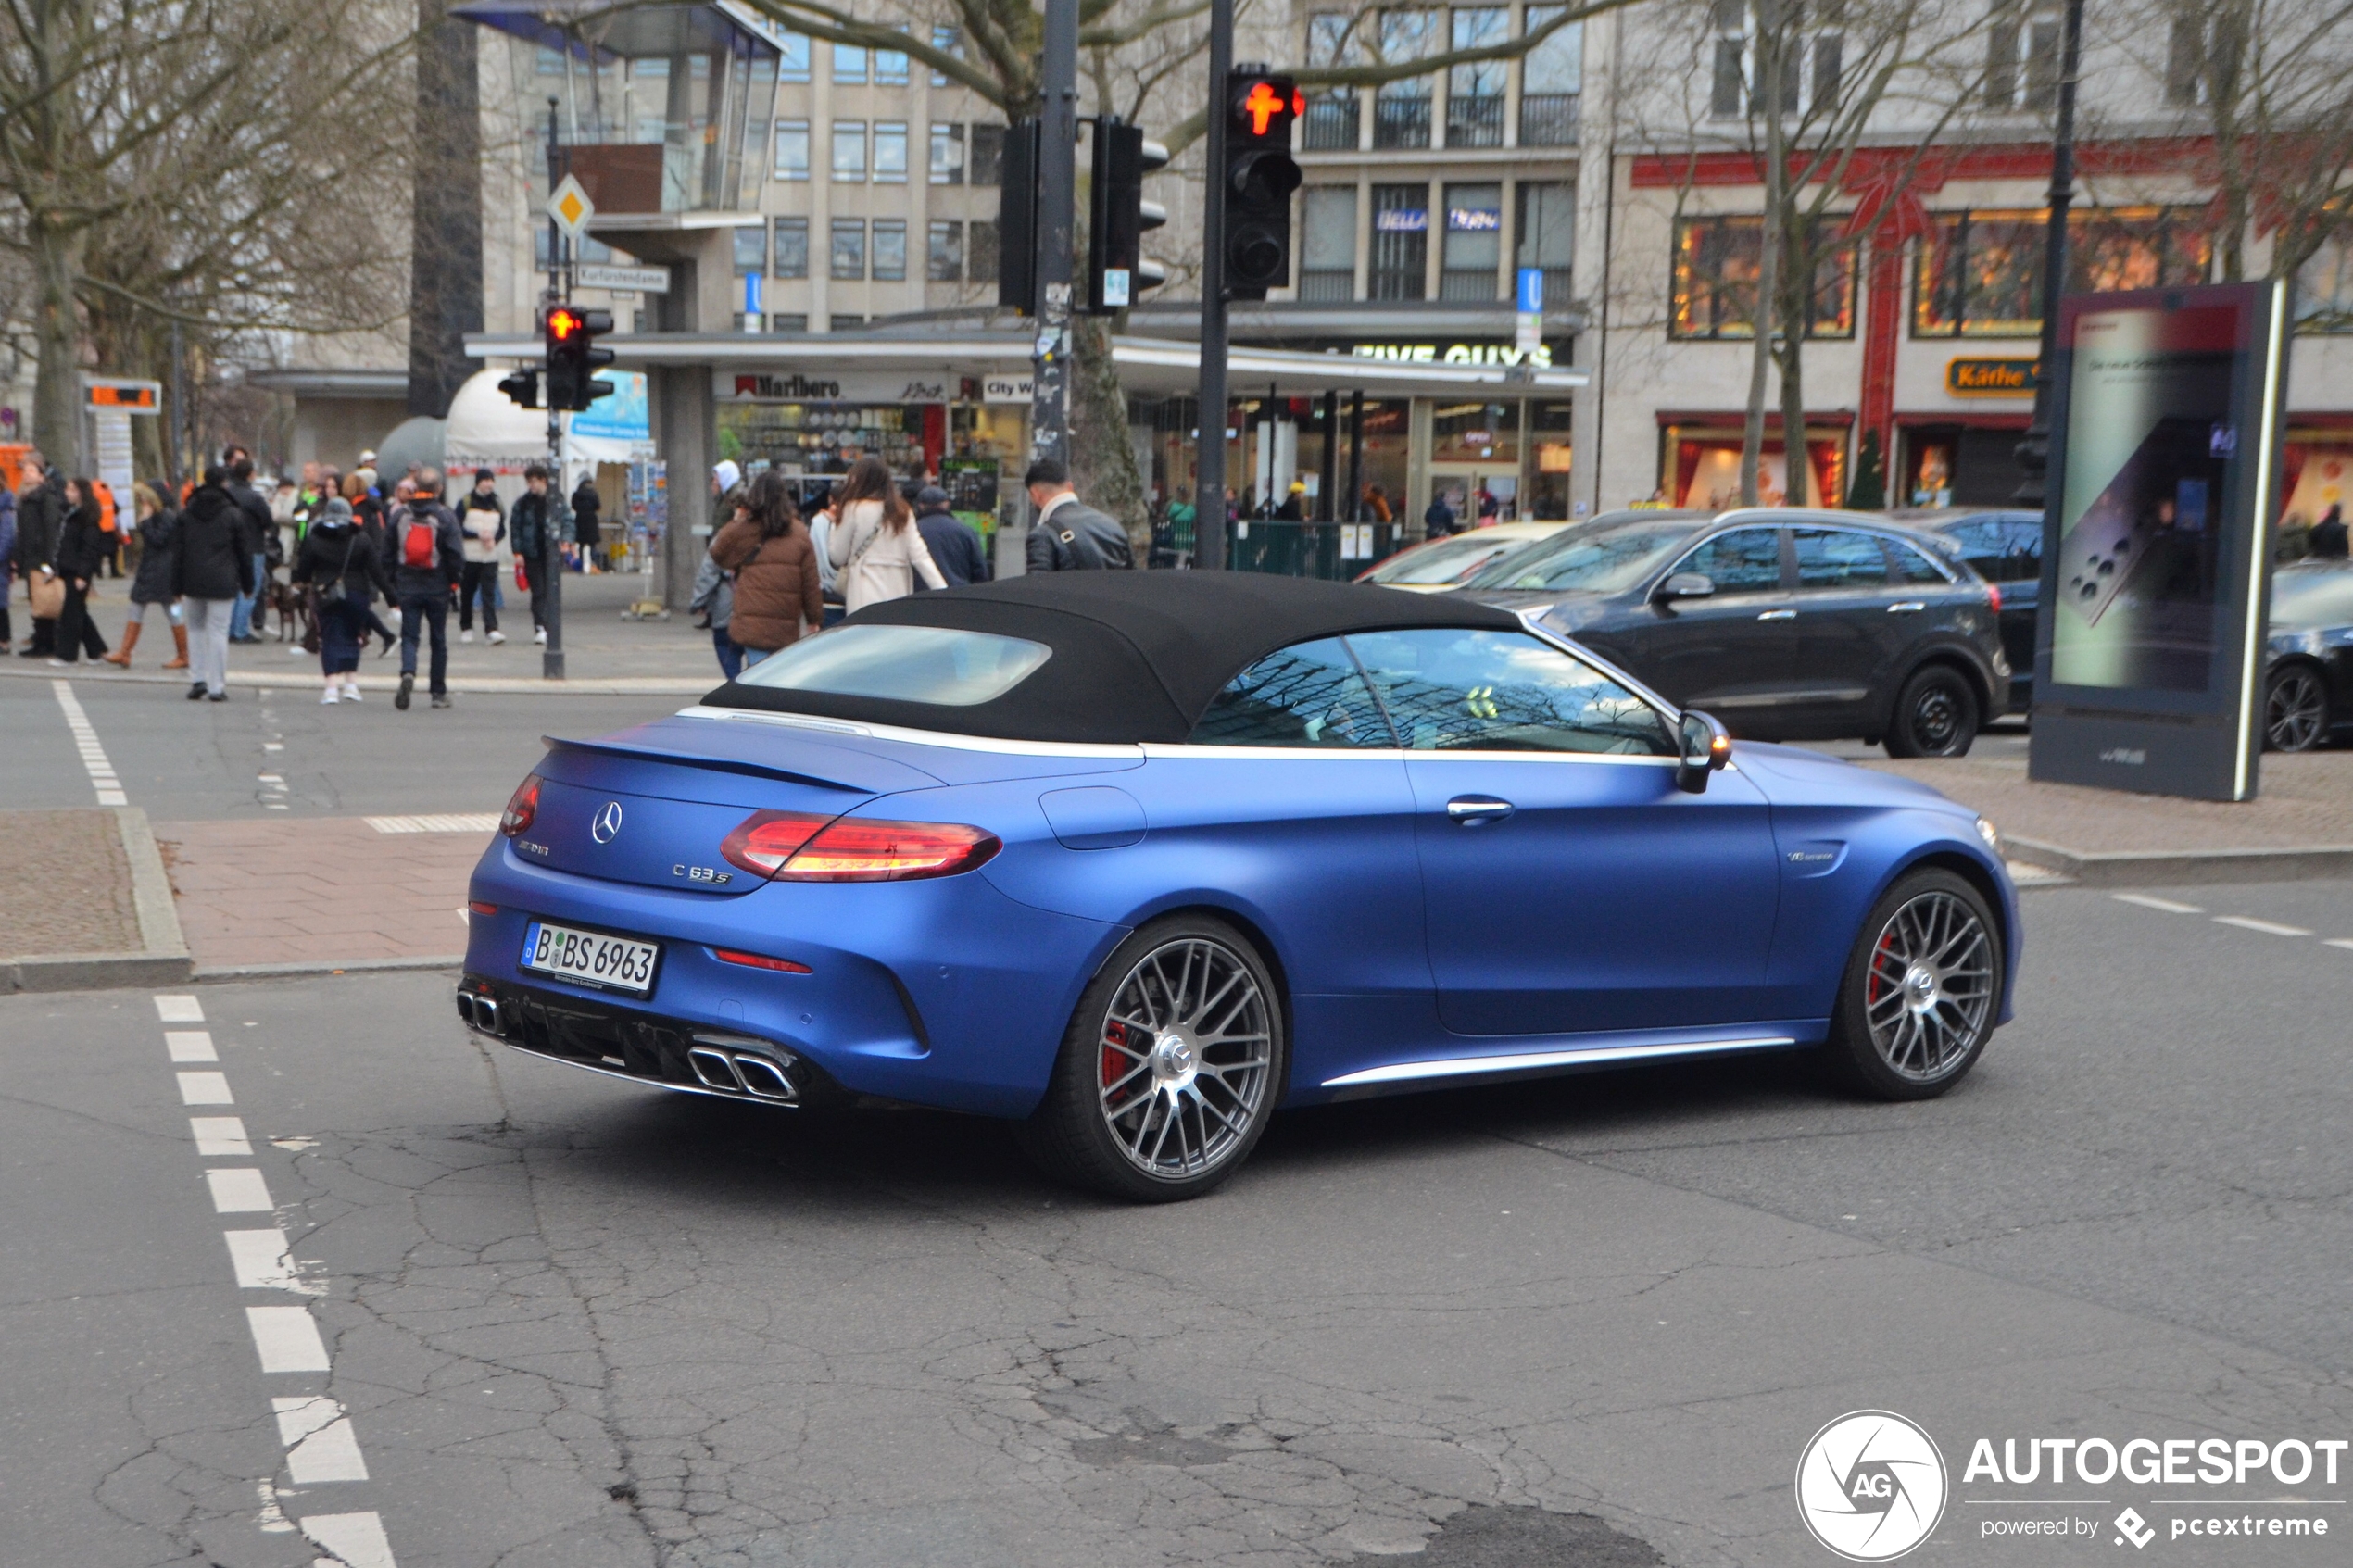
931, 664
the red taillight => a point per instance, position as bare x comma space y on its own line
864, 849
522, 810
765, 840
475, 906
761, 960
1994, 596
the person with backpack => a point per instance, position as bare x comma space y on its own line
430, 554
210, 568
339, 563
1069, 535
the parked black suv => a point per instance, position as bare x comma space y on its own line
1787, 624
2005, 547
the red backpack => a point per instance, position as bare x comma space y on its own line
418, 540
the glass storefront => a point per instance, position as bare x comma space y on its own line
966, 449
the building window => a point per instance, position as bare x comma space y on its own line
2324, 290
848, 253
890, 69
840, 322
550, 62
1400, 240
1474, 247
751, 249
792, 61
792, 247
2185, 63
890, 250
943, 256
849, 63
1475, 90
1401, 109
984, 251
890, 152
2137, 247
792, 149
1328, 243
1979, 274
948, 40
947, 155
1551, 81
1727, 92
989, 155
1544, 236
2022, 59
1332, 40
849, 151
788, 322
1714, 281
1813, 62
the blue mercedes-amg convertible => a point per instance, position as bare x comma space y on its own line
1135, 858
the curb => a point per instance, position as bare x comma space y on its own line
163, 957
2158, 868
303, 676
225, 973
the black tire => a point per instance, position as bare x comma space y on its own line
1936, 714
1184, 1016
2295, 709
1893, 1037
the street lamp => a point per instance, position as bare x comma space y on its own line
2034, 452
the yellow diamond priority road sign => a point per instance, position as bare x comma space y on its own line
570, 207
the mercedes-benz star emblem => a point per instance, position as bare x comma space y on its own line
606, 824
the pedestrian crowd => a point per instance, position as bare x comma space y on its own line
208, 557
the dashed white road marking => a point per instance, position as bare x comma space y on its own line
320, 1443
354, 1540
287, 1339
85, 740
219, 1135
261, 1260
2164, 906
2344, 942
205, 1089
178, 1010
189, 1045
2268, 928
463, 822
238, 1190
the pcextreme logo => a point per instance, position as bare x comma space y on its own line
1870, 1485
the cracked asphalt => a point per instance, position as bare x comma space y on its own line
1583, 1322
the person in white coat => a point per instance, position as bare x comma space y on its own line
876, 550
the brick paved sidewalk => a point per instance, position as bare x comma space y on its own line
317, 890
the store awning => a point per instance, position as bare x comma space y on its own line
1148, 366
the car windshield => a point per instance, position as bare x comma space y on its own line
2311, 598
1599, 559
929, 664
1445, 561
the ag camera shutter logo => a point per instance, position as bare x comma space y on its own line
1872, 1486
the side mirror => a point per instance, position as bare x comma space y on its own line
1685, 585
1706, 746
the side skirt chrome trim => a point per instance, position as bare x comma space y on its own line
1522, 1061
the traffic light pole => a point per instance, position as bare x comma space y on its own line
1057, 198
1209, 496
549, 568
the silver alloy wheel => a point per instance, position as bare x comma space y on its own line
1182, 1060
2297, 711
1930, 990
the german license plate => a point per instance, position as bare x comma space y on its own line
590, 958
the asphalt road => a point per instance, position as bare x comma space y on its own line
575, 1324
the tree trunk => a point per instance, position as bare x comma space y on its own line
1796, 314
445, 258
1103, 456
56, 401
1769, 259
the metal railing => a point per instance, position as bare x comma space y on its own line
1331, 124
1548, 120
1328, 283
1467, 284
1400, 121
1307, 549
1475, 122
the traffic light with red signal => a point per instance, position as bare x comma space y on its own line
573, 357
1260, 178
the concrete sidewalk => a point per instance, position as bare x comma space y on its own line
2300, 824
84, 902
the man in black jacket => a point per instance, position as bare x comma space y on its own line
1069, 535
41, 514
212, 567
955, 549
429, 556
261, 532
542, 524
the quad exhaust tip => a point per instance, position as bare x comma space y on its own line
480, 1012
731, 1071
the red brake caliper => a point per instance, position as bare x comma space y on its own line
1114, 1063
1886, 942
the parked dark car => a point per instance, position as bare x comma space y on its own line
2307, 687
1787, 624
2005, 547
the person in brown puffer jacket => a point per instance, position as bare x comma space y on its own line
776, 582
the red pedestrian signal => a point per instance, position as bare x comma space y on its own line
1260, 176
572, 356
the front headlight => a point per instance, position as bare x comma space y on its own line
1987, 832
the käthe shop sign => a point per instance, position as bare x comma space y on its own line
1990, 378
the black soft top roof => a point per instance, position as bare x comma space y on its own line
1137, 655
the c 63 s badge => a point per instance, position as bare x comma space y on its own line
706, 875
1872, 1486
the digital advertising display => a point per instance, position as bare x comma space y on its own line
2156, 558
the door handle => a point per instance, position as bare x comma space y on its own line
1779, 615
1907, 608
1471, 810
